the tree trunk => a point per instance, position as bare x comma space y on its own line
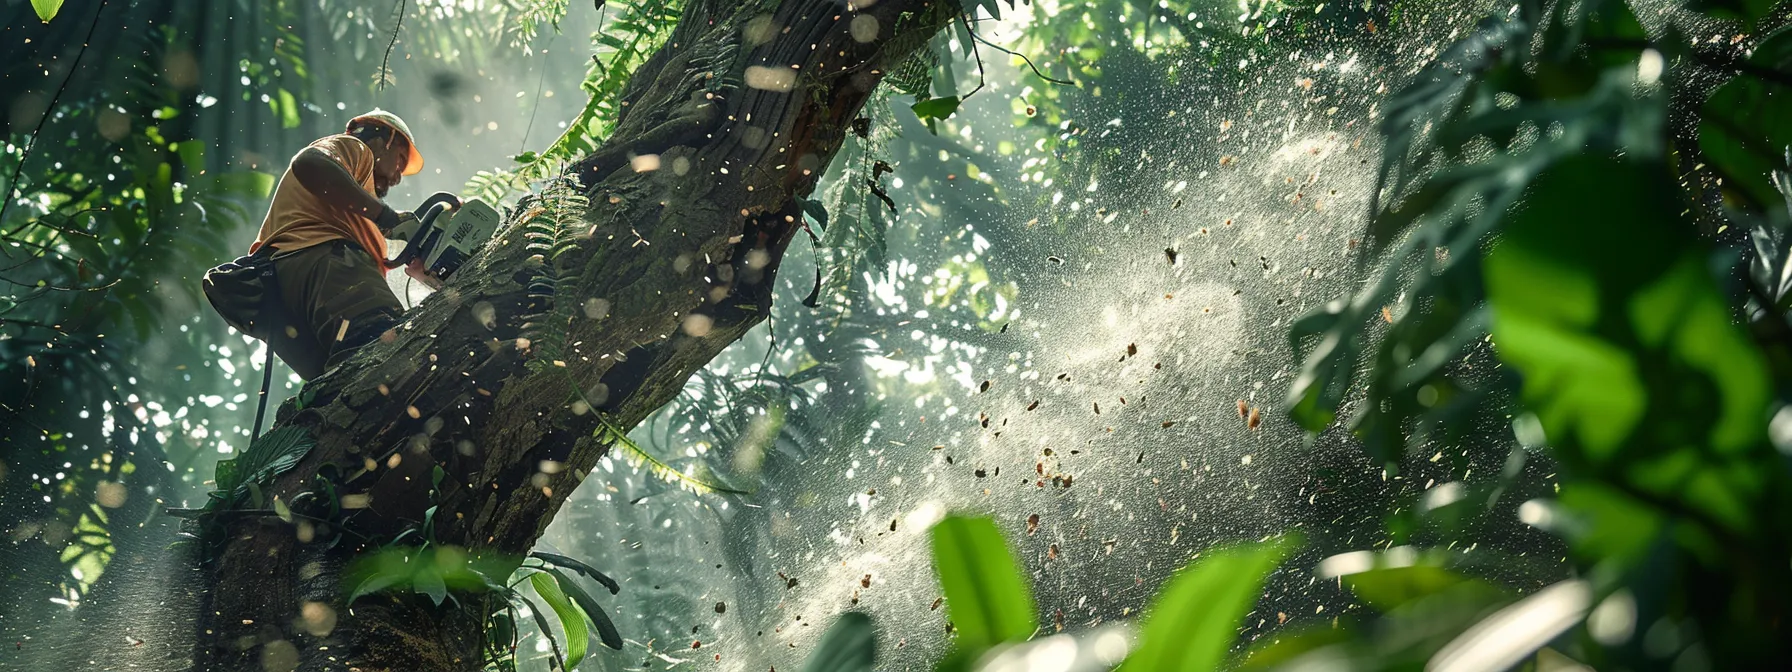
613, 305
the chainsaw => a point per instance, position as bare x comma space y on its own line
447, 232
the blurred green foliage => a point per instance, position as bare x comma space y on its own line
1546, 253
1559, 280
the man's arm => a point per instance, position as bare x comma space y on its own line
323, 176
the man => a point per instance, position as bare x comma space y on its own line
328, 229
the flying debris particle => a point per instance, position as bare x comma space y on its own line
865, 582
721, 607
1097, 407
1169, 423
981, 473
1387, 315
1170, 255
1176, 205
645, 163
1051, 552
1033, 405
892, 524
1032, 524
1054, 259
1058, 620
1227, 160
936, 603
1132, 349
1256, 418
1242, 409
777, 80
983, 388
110, 494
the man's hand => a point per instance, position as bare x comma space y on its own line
416, 270
407, 227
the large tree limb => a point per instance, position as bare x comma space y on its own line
744, 108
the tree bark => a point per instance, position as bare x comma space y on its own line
744, 108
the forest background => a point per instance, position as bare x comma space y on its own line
1484, 304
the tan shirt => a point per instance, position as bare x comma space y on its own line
298, 219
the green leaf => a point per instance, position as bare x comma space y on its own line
374, 584
289, 110
606, 630
226, 476
500, 631
987, 598
46, 9
1746, 125
936, 108
849, 645
268, 456
572, 621
1389, 588
243, 183
1629, 355
580, 567
816, 211
1196, 618
428, 581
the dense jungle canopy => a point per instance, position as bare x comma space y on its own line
841, 335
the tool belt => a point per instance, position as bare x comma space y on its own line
246, 293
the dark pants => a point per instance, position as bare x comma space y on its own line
336, 300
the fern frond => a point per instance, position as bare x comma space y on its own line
620, 47
638, 456
492, 186
532, 15
855, 239
553, 226
915, 76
